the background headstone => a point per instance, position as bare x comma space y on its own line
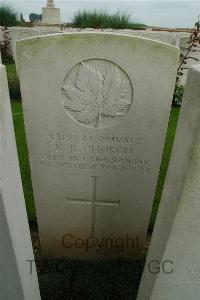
16, 281
181, 35
50, 31
182, 43
164, 37
96, 120
175, 244
19, 33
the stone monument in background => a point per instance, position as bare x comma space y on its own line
50, 14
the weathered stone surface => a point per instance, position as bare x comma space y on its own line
164, 37
175, 236
49, 31
16, 282
161, 36
20, 33
96, 120
181, 34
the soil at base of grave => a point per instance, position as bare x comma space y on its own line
62, 278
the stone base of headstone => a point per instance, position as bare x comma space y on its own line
51, 15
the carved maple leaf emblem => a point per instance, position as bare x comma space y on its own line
95, 95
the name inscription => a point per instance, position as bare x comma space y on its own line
100, 153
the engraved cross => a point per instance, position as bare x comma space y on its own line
93, 201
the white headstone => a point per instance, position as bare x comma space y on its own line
16, 254
50, 14
49, 31
165, 37
182, 34
175, 246
96, 120
20, 33
182, 43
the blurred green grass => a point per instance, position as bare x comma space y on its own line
18, 121
165, 162
11, 70
13, 81
103, 19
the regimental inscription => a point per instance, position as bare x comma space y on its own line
97, 153
97, 93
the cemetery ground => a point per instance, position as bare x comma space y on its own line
66, 279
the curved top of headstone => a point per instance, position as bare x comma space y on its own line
23, 29
71, 58
100, 36
125, 52
72, 54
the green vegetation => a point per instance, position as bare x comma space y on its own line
11, 70
178, 95
13, 81
103, 19
8, 16
23, 158
165, 161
